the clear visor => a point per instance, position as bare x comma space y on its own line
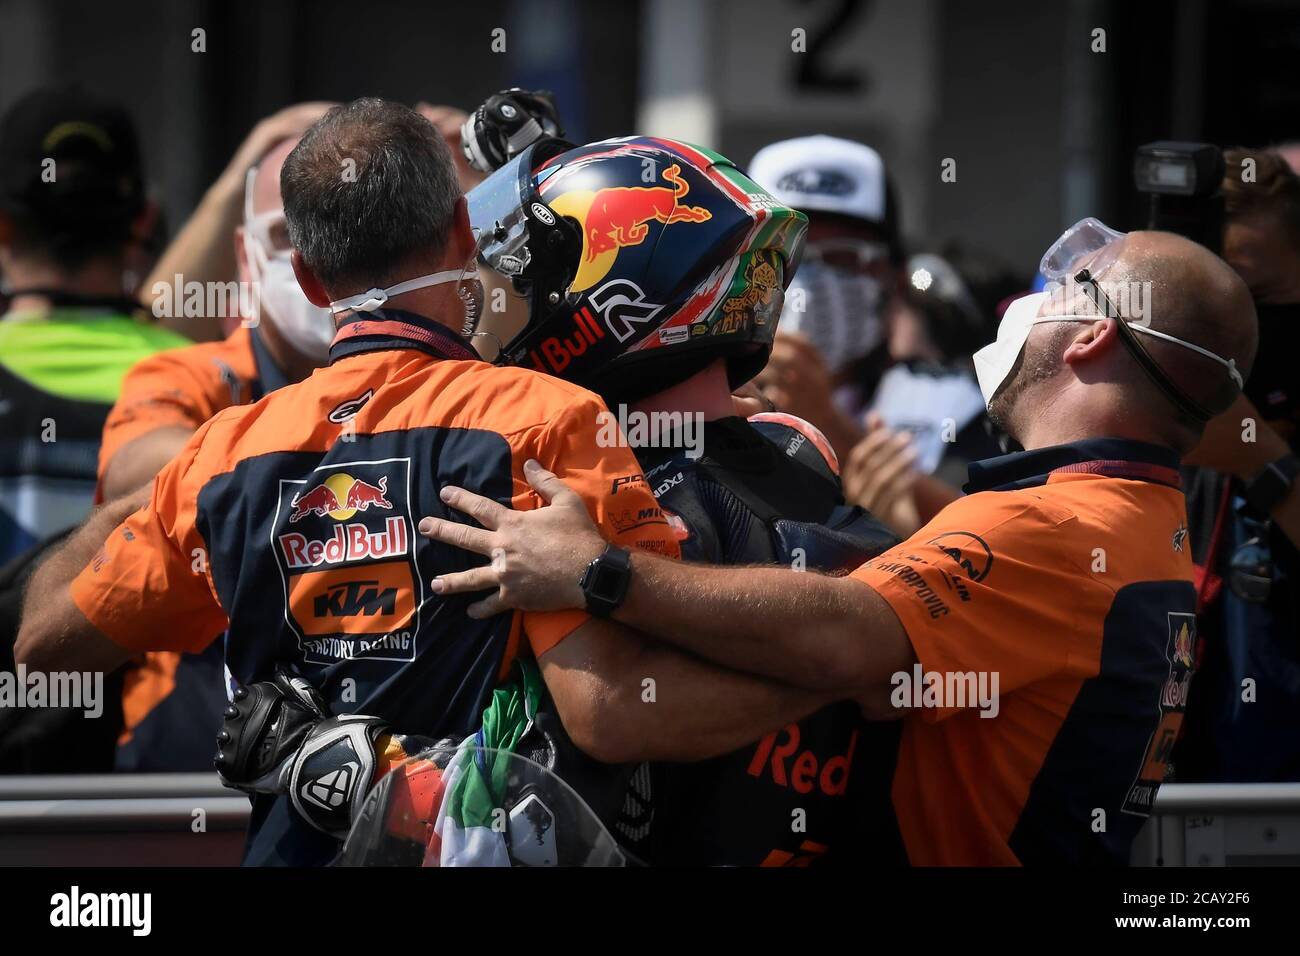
1089, 243
496, 214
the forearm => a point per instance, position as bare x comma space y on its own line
625, 698
803, 628
201, 252
138, 461
684, 709
48, 638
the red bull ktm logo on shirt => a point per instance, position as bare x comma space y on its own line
344, 546
1167, 713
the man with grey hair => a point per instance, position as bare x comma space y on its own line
292, 522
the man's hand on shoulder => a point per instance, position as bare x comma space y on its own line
537, 557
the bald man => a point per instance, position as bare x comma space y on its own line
1037, 635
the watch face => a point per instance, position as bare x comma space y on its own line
606, 582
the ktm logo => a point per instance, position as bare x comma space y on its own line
353, 598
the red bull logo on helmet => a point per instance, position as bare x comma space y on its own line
616, 217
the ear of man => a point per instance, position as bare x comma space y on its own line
311, 286
1094, 341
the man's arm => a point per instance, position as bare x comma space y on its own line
1223, 448
202, 250
624, 699
137, 462
806, 629
54, 634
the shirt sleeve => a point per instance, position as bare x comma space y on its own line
993, 587
150, 587
610, 482
160, 391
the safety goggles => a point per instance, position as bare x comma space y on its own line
1081, 254
1089, 244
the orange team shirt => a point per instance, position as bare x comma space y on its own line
1076, 593
180, 387
294, 519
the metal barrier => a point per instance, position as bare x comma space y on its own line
156, 819
189, 819
1222, 824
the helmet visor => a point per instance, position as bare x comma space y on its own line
497, 216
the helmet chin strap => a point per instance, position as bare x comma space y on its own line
375, 298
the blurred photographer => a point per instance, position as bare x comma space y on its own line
1243, 508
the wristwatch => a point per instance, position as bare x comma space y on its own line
1265, 491
605, 582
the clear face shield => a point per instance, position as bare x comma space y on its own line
496, 214
530, 250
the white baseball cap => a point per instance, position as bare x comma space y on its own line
826, 174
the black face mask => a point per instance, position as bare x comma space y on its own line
1274, 383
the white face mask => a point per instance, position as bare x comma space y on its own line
994, 362
840, 311
280, 300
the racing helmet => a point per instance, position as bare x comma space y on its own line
643, 260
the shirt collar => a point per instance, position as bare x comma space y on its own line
269, 374
1111, 457
397, 329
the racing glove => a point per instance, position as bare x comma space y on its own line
278, 737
